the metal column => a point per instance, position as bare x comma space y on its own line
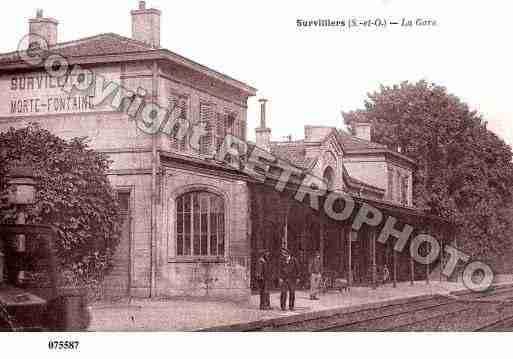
373, 254
394, 255
349, 263
412, 269
321, 243
427, 264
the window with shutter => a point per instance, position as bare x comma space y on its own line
220, 130
243, 130
404, 194
180, 104
234, 126
390, 184
398, 187
230, 123
207, 116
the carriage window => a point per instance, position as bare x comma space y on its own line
200, 224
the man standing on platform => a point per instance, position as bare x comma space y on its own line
263, 276
288, 278
314, 268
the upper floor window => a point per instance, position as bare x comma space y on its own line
390, 190
200, 229
404, 191
398, 183
398, 186
228, 123
329, 177
207, 116
179, 105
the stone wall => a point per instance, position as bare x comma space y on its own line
226, 277
369, 169
374, 170
114, 133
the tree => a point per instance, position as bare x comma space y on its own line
73, 194
464, 170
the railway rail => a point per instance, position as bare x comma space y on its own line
489, 311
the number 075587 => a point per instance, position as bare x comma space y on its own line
63, 344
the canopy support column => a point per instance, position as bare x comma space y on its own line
394, 255
373, 254
321, 243
412, 269
349, 262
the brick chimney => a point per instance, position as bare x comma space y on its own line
263, 134
362, 130
146, 25
42, 27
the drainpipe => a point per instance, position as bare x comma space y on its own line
154, 165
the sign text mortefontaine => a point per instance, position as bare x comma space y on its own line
40, 94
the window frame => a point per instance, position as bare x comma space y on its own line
404, 190
174, 234
328, 175
184, 102
390, 177
209, 116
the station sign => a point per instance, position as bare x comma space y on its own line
39, 93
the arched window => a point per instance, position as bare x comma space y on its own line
329, 177
200, 224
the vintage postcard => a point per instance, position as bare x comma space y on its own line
252, 167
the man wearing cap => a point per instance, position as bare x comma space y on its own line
288, 278
314, 268
263, 277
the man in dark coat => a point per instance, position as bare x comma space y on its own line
288, 278
263, 277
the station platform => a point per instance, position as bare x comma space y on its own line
192, 314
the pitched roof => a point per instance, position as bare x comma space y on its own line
292, 151
101, 44
108, 45
295, 153
351, 143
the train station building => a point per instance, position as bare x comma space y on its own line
194, 225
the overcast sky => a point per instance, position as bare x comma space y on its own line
310, 75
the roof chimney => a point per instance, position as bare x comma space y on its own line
263, 134
42, 29
362, 130
146, 25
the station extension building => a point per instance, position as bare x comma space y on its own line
194, 225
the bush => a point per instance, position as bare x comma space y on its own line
73, 194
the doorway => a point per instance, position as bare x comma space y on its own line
117, 283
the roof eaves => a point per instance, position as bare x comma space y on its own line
204, 161
163, 53
167, 54
385, 151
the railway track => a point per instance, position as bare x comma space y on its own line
490, 311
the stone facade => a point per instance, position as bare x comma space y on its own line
392, 175
223, 276
173, 249
142, 164
351, 163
